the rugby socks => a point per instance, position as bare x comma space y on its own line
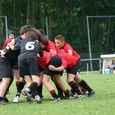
20, 85
1, 98
40, 87
53, 93
82, 89
85, 85
66, 92
34, 89
74, 87
60, 91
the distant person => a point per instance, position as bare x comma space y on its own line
113, 66
11, 36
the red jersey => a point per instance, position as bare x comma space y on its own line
43, 61
67, 59
68, 49
6, 43
50, 47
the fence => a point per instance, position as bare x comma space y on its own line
96, 64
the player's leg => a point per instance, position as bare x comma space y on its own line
72, 84
20, 83
60, 83
28, 80
46, 79
34, 72
40, 86
5, 76
3, 88
84, 84
24, 72
77, 80
59, 90
4, 85
32, 90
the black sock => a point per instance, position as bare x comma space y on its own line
53, 93
74, 87
40, 87
34, 89
60, 91
1, 98
85, 85
67, 94
20, 86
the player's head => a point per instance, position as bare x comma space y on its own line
11, 35
31, 35
25, 28
43, 41
42, 32
37, 32
59, 41
113, 61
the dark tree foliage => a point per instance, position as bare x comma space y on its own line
67, 17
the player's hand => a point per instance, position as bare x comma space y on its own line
51, 67
2, 53
40, 53
11, 45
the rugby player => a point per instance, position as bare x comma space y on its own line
62, 45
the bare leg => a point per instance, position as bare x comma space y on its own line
16, 74
59, 82
37, 79
73, 84
46, 83
3, 86
28, 80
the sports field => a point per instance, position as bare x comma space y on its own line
102, 103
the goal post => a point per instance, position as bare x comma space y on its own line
89, 35
5, 24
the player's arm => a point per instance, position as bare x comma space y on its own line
40, 53
69, 49
2, 53
11, 45
70, 52
53, 68
53, 51
7, 49
61, 68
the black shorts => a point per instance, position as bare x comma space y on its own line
5, 69
28, 67
74, 69
55, 61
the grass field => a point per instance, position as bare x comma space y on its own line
102, 103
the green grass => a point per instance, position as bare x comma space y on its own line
102, 103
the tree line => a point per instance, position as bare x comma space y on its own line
66, 17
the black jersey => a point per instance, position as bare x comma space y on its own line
12, 55
28, 48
